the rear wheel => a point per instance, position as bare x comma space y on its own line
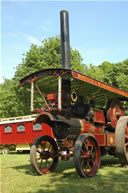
86, 155
121, 139
43, 154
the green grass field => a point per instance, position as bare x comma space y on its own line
17, 176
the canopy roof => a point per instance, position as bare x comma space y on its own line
90, 88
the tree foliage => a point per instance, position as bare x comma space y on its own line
14, 99
115, 74
48, 55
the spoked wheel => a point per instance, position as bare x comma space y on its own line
121, 139
43, 154
86, 155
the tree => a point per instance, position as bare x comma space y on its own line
9, 103
115, 74
95, 72
15, 99
48, 55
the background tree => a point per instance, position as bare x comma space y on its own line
15, 100
115, 74
48, 55
9, 103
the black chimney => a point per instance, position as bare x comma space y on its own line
65, 46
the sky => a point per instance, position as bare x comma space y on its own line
98, 29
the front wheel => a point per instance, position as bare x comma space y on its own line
43, 154
86, 155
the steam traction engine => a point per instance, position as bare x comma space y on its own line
87, 116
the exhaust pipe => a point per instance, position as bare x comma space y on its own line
65, 46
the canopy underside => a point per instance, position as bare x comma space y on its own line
88, 88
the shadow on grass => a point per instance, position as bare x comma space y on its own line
65, 165
30, 170
112, 182
65, 178
27, 169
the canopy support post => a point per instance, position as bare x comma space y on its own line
32, 96
59, 93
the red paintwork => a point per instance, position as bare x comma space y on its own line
99, 116
51, 96
89, 128
101, 138
22, 137
110, 139
98, 132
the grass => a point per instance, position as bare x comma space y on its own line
17, 176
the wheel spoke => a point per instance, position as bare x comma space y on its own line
39, 151
83, 153
88, 166
93, 162
46, 163
49, 148
38, 158
86, 144
82, 150
91, 150
83, 156
45, 145
82, 162
41, 164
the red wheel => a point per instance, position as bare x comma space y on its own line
43, 154
86, 155
121, 139
114, 112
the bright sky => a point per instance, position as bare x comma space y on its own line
99, 30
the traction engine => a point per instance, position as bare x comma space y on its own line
87, 117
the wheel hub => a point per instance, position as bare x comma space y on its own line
45, 155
